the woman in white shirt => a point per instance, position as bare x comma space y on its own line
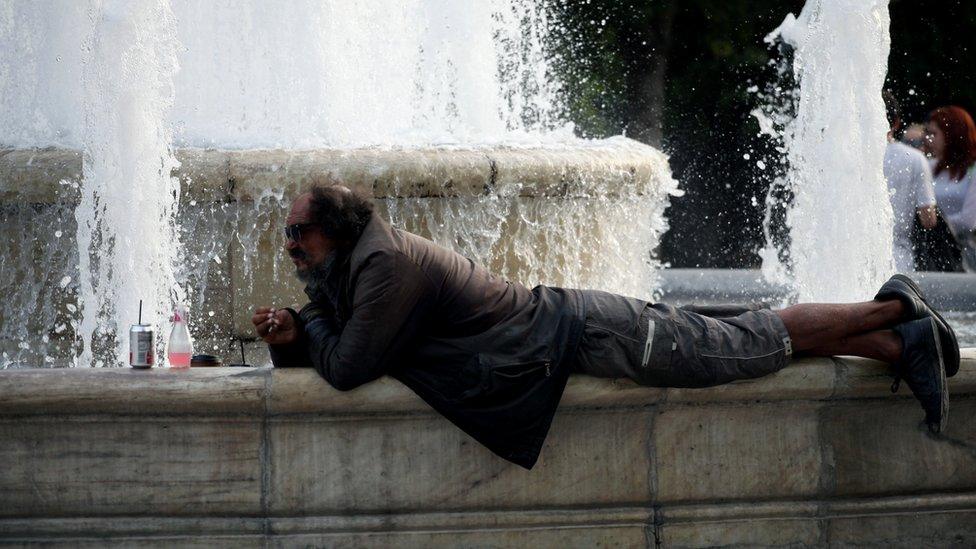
951, 140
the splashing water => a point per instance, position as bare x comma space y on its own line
160, 74
126, 235
841, 220
306, 73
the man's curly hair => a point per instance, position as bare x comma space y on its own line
340, 212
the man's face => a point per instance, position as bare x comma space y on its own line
312, 247
934, 140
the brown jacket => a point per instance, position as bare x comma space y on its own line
490, 355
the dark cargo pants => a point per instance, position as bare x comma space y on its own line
664, 346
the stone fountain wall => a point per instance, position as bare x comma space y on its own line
818, 454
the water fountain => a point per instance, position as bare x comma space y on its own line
462, 143
449, 117
835, 151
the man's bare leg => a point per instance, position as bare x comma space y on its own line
913, 347
833, 326
883, 345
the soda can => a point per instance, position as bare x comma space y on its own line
141, 346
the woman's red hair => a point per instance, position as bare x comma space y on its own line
960, 140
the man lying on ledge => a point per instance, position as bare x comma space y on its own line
493, 356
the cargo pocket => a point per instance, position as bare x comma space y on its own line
681, 356
659, 359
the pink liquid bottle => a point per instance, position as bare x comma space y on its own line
180, 347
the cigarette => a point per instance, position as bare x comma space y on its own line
274, 321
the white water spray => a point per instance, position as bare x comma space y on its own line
307, 73
841, 221
127, 246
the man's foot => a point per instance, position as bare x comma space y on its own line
905, 289
922, 367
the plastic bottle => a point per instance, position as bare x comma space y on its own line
180, 347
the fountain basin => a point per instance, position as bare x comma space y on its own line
236, 456
567, 215
623, 165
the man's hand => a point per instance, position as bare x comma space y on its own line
275, 326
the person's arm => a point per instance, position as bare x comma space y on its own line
963, 223
925, 195
295, 353
390, 298
283, 330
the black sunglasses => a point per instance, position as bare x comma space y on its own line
294, 232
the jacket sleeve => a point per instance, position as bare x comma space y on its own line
390, 297
292, 355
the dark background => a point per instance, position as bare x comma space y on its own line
675, 74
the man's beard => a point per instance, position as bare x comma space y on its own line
316, 276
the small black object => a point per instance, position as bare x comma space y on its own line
243, 363
200, 361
